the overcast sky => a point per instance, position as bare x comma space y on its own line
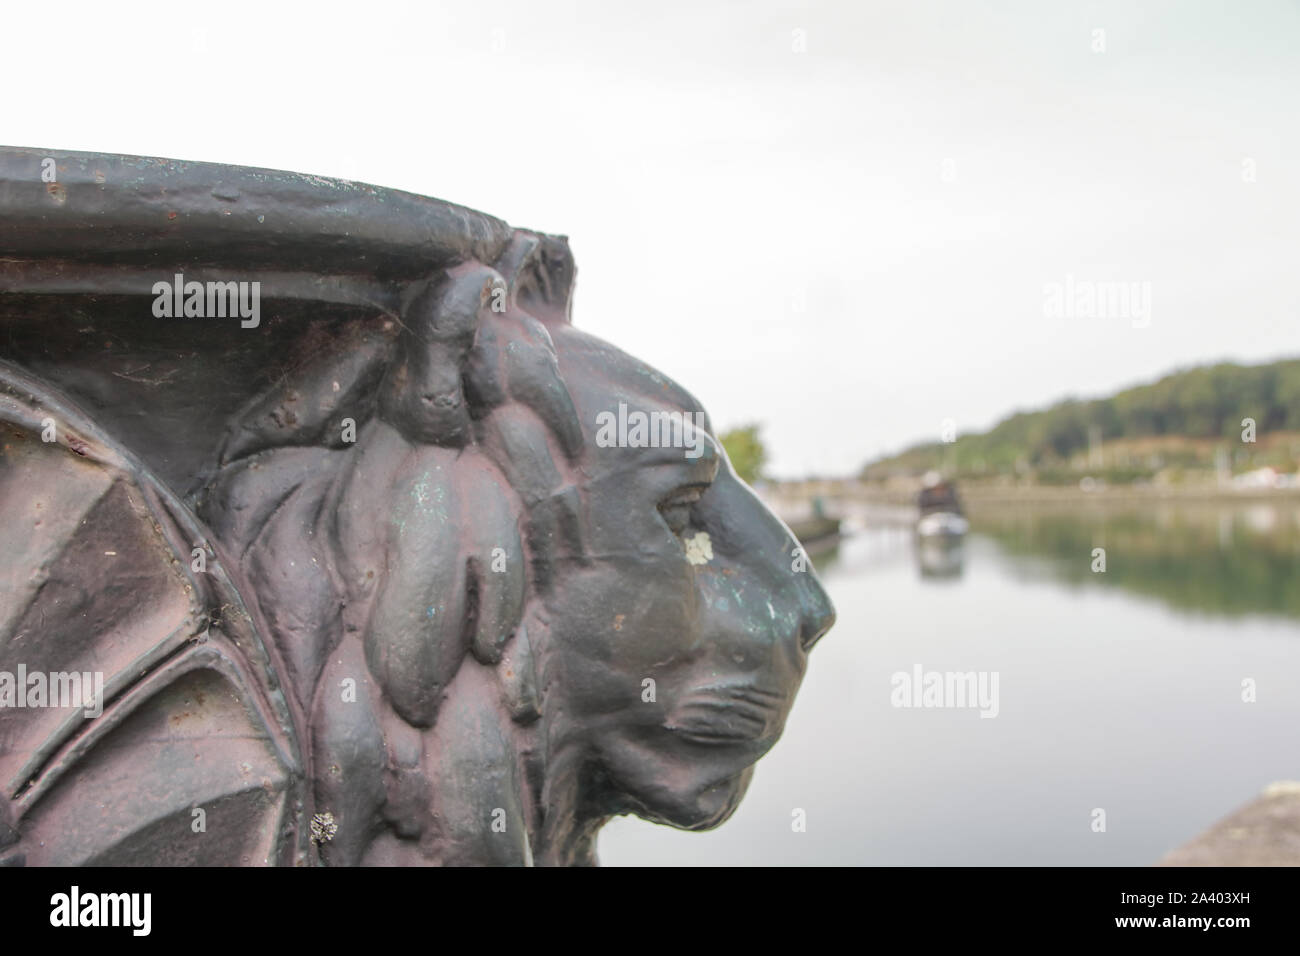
843, 233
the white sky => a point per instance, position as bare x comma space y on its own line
709, 177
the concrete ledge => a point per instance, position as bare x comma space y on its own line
1265, 832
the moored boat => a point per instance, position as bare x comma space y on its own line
940, 509
942, 524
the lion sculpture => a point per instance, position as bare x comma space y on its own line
362, 583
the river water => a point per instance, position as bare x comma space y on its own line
1122, 692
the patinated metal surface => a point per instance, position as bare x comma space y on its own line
359, 567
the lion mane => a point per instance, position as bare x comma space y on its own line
412, 491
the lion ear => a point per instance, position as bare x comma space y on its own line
423, 394
463, 350
541, 273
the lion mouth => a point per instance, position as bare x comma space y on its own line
728, 714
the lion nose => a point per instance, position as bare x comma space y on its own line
818, 614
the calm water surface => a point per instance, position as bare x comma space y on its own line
1119, 690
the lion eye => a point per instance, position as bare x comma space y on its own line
676, 508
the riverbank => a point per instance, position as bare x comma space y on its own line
816, 534
839, 495
1073, 494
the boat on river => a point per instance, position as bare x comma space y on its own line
940, 514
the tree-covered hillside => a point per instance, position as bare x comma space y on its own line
1205, 406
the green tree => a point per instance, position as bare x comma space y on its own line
745, 449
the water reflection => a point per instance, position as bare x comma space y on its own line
1209, 559
826, 557
940, 558
1108, 698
